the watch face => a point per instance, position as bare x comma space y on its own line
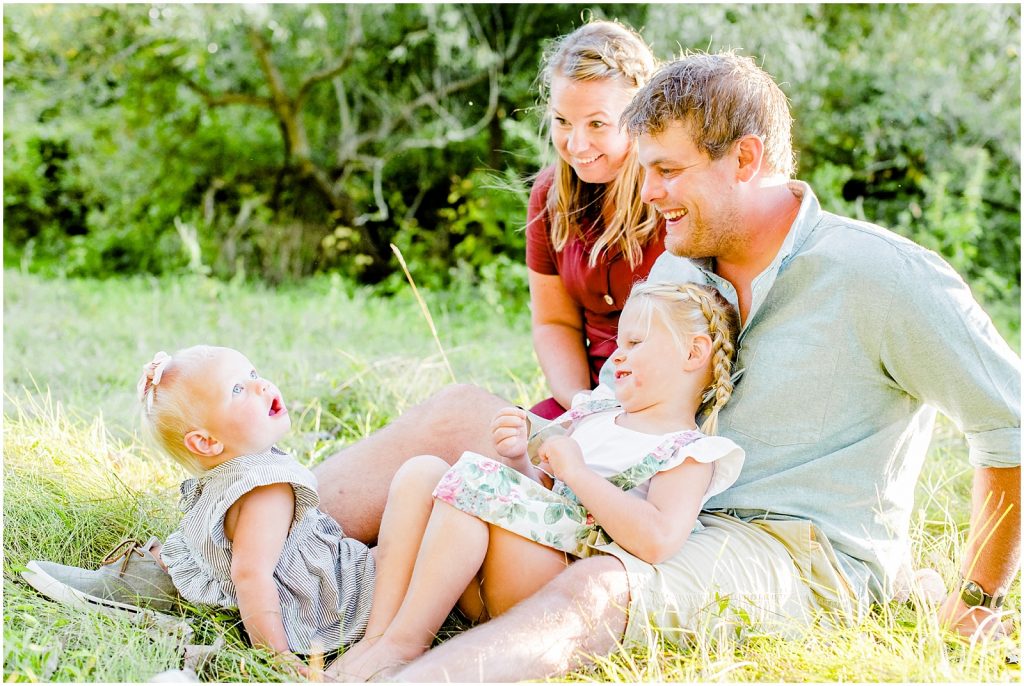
972, 594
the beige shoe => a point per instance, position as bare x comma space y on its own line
131, 581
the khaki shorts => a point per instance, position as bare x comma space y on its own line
731, 574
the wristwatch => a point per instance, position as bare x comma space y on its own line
974, 595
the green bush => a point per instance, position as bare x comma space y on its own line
149, 142
905, 115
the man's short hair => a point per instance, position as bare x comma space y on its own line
721, 97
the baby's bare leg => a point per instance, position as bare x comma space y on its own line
354, 483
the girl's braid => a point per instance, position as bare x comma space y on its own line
723, 325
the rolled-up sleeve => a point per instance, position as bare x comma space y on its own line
942, 348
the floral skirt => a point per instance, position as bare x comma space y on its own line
499, 495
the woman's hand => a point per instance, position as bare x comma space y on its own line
510, 432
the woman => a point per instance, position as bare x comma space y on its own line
589, 236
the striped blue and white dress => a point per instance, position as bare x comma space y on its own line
324, 580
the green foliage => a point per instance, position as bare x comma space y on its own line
905, 115
268, 140
276, 141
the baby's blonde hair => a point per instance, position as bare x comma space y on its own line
689, 309
167, 407
601, 51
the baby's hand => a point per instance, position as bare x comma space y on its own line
509, 430
559, 455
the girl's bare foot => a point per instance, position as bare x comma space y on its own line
337, 670
371, 661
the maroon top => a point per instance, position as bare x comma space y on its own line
600, 291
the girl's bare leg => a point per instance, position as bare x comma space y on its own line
449, 558
405, 518
515, 568
402, 530
455, 546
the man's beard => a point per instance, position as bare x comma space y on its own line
707, 239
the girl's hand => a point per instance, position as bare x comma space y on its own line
560, 455
290, 663
510, 430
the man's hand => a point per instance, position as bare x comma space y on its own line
509, 430
970, 623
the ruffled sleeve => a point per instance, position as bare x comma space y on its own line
727, 456
303, 486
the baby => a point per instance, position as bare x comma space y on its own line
251, 536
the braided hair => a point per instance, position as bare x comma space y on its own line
691, 309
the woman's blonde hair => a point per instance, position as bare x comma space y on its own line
689, 309
167, 407
598, 51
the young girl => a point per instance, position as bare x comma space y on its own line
589, 237
634, 470
251, 536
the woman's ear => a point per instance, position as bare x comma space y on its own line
201, 443
699, 353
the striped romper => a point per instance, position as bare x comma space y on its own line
324, 580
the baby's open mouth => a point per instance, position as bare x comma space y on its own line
621, 374
276, 406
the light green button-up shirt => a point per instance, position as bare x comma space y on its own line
855, 337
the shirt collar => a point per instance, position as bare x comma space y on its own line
802, 228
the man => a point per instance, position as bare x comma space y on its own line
851, 336
848, 331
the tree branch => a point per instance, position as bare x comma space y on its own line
355, 39
279, 98
224, 99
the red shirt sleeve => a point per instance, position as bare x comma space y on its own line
540, 254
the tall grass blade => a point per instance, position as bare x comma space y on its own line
423, 307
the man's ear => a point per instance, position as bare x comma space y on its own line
749, 154
203, 444
699, 353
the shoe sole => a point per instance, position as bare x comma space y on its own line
62, 593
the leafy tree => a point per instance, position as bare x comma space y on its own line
278, 140
281, 138
908, 116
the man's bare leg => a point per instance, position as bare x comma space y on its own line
582, 612
353, 484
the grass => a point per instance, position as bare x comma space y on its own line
77, 479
